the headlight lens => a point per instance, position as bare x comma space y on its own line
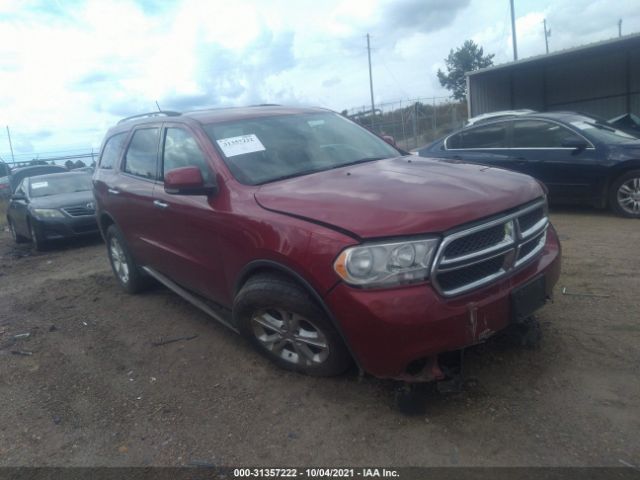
47, 213
386, 263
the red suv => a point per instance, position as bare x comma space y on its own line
318, 241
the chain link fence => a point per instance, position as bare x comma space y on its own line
413, 123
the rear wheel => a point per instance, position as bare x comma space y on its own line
284, 323
128, 274
16, 236
624, 196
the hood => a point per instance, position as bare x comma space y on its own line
400, 196
63, 200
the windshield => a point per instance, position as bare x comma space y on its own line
43, 187
261, 150
601, 131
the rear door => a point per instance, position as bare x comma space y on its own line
484, 144
568, 173
130, 194
188, 226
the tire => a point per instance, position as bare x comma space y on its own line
126, 271
624, 194
38, 241
16, 237
283, 322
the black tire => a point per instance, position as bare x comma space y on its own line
16, 236
301, 321
133, 280
626, 188
38, 241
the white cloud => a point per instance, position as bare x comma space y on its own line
70, 69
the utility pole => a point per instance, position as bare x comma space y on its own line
547, 34
620, 27
513, 32
373, 107
13, 159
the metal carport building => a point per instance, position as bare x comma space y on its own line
601, 78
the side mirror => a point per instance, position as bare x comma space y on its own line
574, 142
19, 196
389, 139
187, 181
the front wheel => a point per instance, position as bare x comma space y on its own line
37, 239
284, 324
624, 196
125, 269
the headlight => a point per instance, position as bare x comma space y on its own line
47, 213
386, 263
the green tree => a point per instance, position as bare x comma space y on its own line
467, 58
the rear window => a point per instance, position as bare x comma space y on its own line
266, 149
142, 154
111, 151
486, 136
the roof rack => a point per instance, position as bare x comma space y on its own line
166, 113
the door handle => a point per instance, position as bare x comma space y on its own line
113, 191
160, 204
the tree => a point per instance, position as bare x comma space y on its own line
69, 164
467, 58
79, 164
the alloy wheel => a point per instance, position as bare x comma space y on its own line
629, 196
290, 336
119, 260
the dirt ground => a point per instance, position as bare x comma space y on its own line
87, 387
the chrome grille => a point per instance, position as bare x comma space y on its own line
79, 211
478, 255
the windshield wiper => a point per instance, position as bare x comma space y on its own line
361, 160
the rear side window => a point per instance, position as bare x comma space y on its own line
111, 151
539, 134
488, 136
182, 150
142, 154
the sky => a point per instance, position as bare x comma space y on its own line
70, 69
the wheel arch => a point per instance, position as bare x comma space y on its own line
257, 267
619, 170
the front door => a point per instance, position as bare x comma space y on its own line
189, 225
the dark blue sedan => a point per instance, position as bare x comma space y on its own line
577, 157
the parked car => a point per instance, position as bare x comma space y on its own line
53, 206
18, 174
320, 242
579, 159
5, 188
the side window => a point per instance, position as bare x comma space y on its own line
111, 151
487, 136
540, 134
142, 154
181, 150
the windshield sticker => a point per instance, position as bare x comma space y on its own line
241, 145
315, 123
582, 125
39, 185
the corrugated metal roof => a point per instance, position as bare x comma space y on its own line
544, 58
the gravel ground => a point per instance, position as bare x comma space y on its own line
87, 387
